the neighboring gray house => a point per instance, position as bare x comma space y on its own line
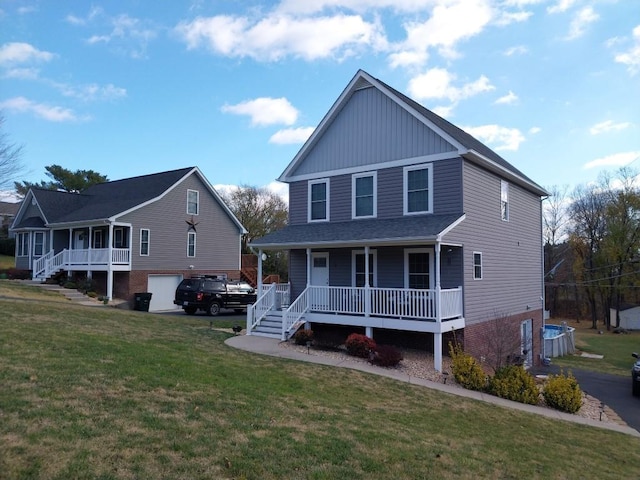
140, 234
400, 220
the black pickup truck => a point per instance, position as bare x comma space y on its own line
212, 293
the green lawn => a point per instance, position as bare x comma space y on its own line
97, 392
615, 347
7, 262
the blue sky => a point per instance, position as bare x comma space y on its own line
235, 87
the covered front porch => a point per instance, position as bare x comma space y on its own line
91, 248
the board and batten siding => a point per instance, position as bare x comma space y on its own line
511, 250
370, 129
217, 236
447, 195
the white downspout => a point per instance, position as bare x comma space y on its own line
367, 292
437, 336
109, 264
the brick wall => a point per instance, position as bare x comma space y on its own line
500, 337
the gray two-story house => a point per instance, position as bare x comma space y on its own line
139, 234
400, 220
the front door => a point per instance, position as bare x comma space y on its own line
526, 341
79, 238
320, 278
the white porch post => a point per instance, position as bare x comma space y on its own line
89, 272
367, 291
308, 266
109, 264
437, 337
260, 271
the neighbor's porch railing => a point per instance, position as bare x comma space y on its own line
95, 258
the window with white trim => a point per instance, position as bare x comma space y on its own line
504, 200
364, 191
191, 244
477, 265
359, 270
418, 268
38, 244
319, 200
193, 202
144, 242
418, 189
22, 242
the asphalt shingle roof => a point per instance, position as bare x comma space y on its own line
371, 231
104, 200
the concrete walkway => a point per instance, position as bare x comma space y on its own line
269, 346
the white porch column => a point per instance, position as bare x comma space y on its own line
89, 272
109, 264
260, 272
437, 352
367, 287
308, 266
438, 290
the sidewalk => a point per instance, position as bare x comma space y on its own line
269, 346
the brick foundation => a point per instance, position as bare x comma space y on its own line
493, 341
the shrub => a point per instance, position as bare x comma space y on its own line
514, 383
18, 274
386, 356
301, 337
563, 393
359, 345
70, 285
466, 370
92, 294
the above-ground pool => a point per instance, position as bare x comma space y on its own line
558, 340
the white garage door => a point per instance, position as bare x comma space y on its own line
163, 290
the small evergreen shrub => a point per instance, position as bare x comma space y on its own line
92, 294
386, 356
359, 345
563, 393
302, 336
70, 285
466, 370
514, 383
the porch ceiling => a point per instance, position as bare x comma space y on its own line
393, 231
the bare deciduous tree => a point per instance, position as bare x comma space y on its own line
11, 166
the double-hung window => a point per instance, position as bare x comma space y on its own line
418, 268
418, 189
477, 266
319, 200
23, 244
504, 200
193, 202
364, 191
38, 244
359, 268
144, 241
191, 244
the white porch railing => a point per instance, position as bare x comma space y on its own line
49, 264
264, 303
403, 303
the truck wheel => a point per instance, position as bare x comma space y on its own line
190, 310
214, 309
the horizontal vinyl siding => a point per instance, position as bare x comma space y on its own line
217, 236
297, 272
371, 129
298, 203
511, 251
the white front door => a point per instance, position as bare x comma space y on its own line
79, 239
320, 278
526, 341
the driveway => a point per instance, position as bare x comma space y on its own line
612, 390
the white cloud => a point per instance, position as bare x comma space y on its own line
615, 160
265, 111
507, 18
437, 83
500, 138
19, 52
289, 136
631, 57
561, 6
580, 22
508, 99
534, 130
275, 37
22, 73
608, 126
517, 50
449, 23
47, 112
308, 7
92, 92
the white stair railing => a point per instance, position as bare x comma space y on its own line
264, 303
293, 315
